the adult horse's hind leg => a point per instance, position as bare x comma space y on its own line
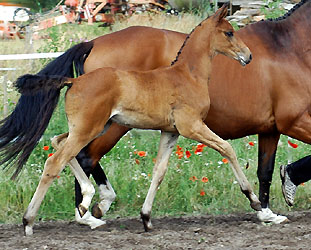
106, 192
89, 158
166, 146
195, 129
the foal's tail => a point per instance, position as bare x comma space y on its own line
21, 131
23, 128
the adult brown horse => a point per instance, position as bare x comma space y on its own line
175, 100
254, 100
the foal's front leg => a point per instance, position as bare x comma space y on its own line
166, 146
194, 128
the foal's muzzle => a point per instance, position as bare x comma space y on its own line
244, 60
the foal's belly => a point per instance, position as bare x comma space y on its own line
142, 121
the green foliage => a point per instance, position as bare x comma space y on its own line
201, 8
272, 9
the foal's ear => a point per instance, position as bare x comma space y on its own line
222, 12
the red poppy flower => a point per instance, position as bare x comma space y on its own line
58, 176
49, 155
188, 154
225, 161
204, 179
199, 148
137, 161
202, 193
142, 153
193, 178
46, 148
179, 152
293, 145
251, 143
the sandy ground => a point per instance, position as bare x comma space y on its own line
235, 231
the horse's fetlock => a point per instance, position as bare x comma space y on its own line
87, 189
106, 193
146, 221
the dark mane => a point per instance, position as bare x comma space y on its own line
183, 45
291, 11
181, 48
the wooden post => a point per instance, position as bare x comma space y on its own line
230, 7
215, 5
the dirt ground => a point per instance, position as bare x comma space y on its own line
235, 231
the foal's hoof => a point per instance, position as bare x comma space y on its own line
146, 221
82, 210
256, 205
27, 228
96, 212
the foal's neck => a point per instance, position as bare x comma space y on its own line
197, 52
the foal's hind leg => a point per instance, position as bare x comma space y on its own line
88, 158
166, 146
82, 215
195, 129
53, 166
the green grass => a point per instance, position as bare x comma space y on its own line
178, 194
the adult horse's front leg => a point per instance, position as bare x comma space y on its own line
194, 128
266, 160
166, 146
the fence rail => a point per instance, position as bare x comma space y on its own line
29, 56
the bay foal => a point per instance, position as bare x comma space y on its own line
174, 100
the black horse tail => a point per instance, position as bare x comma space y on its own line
72, 60
21, 131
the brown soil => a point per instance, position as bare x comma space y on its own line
236, 231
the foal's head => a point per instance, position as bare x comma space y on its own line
224, 40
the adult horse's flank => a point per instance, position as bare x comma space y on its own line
174, 100
269, 97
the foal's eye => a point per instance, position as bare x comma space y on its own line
229, 34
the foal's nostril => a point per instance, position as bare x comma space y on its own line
250, 57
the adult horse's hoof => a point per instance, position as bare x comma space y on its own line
89, 220
146, 221
267, 216
96, 212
